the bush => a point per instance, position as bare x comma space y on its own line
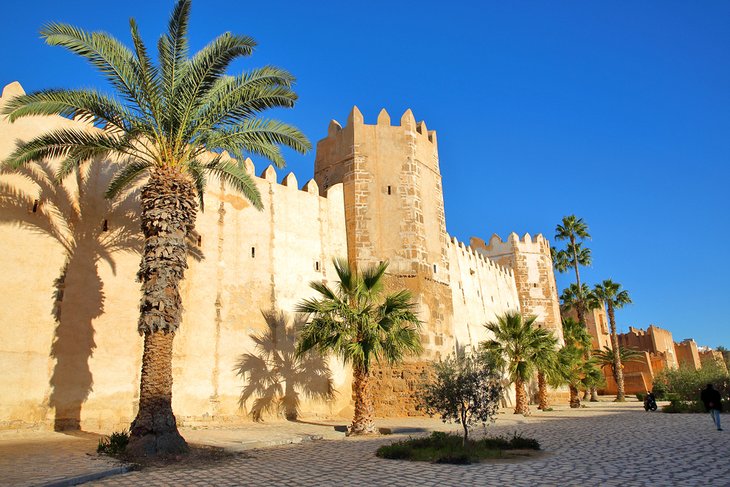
678, 406
450, 448
641, 396
115, 444
686, 384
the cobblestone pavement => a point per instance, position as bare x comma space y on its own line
606, 445
44, 458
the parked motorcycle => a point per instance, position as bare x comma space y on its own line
650, 402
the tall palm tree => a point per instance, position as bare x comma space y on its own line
573, 229
276, 375
606, 357
360, 325
169, 125
580, 299
614, 297
517, 343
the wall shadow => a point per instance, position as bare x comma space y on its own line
275, 377
90, 229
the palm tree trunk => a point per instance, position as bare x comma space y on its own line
574, 397
617, 366
542, 392
362, 422
521, 406
168, 213
154, 430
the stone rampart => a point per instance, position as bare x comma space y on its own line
69, 345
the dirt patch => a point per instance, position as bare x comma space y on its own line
199, 457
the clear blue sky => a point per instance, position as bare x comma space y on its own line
616, 111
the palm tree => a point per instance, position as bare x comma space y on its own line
574, 368
546, 361
572, 229
359, 325
614, 297
580, 299
607, 359
518, 343
276, 375
169, 125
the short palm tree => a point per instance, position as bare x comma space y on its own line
546, 362
169, 125
606, 357
360, 325
579, 372
518, 344
276, 376
614, 297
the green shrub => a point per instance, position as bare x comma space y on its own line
519, 442
641, 396
450, 448
115, 444
686, 384
678, 406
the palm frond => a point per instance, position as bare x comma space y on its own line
236, 177
105, 53
125, 177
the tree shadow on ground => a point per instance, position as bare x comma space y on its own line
275, 376
89, 228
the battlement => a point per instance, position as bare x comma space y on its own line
481, 260
526, 244
407, 122
268, 174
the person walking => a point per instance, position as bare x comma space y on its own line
713, 404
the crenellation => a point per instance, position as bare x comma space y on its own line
407, 120
333, 128
290, 181
249, 167
11, 90
269, 174
355, 117
383, 118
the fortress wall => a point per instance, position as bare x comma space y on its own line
530, 260
688, 354
49, 365
481, 291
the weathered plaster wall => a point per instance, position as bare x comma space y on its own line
687, 354
84, 367
654, 339
532, 267
481, 290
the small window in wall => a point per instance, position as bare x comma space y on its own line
105, 226
253, 252
36, 204
389, 190
435, 269
316, 266
200, 240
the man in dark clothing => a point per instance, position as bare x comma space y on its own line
713, 404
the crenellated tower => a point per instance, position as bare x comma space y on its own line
394, 209
393, 198
530, 260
